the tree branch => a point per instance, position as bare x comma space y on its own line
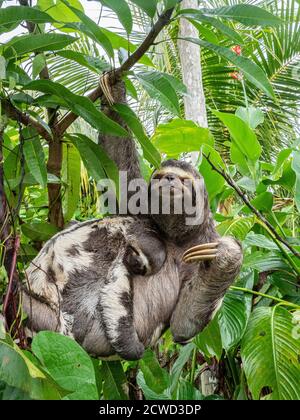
246, 200
163, 20
15, 114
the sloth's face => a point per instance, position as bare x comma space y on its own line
172, 187
178, 200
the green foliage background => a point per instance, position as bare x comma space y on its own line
252, 346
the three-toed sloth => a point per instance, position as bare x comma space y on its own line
116, 284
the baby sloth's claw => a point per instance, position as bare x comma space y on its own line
204, 252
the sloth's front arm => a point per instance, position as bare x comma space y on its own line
202, 293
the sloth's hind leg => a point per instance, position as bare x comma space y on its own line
116, 303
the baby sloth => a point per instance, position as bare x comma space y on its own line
116, 284
85, 272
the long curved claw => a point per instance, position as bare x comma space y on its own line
203, 252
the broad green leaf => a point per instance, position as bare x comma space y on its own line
265, 261
159, 88
39, 231
180, 136
11, 165
130, 88
148, 6
18, 14
149, 393
67, 363
24, 44
214, 182
80, 105
296, 169
251, 115
182, 359
90, 28
156, 378
187, 392
94, 64
242, 135
118, 42
115, 382
246, 14
38, 64
150, 152
270, 354
250, 69
204, 32
71, 179
15, 71
122, 10
34, 156
255, 239
234, 313
59, 11
95, 159
281, 163
237, 227
177, 84
224, 29
10, 393
263, 202
15, 373
209, 340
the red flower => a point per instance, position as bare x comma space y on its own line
235, 75
237, 49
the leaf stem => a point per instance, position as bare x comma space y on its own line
284, 302
193, 367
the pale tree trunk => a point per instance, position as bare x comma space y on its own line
190, 58
195, 110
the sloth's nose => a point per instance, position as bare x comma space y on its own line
170, 177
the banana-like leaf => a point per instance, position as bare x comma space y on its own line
209, 341
234, 313
270, 353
